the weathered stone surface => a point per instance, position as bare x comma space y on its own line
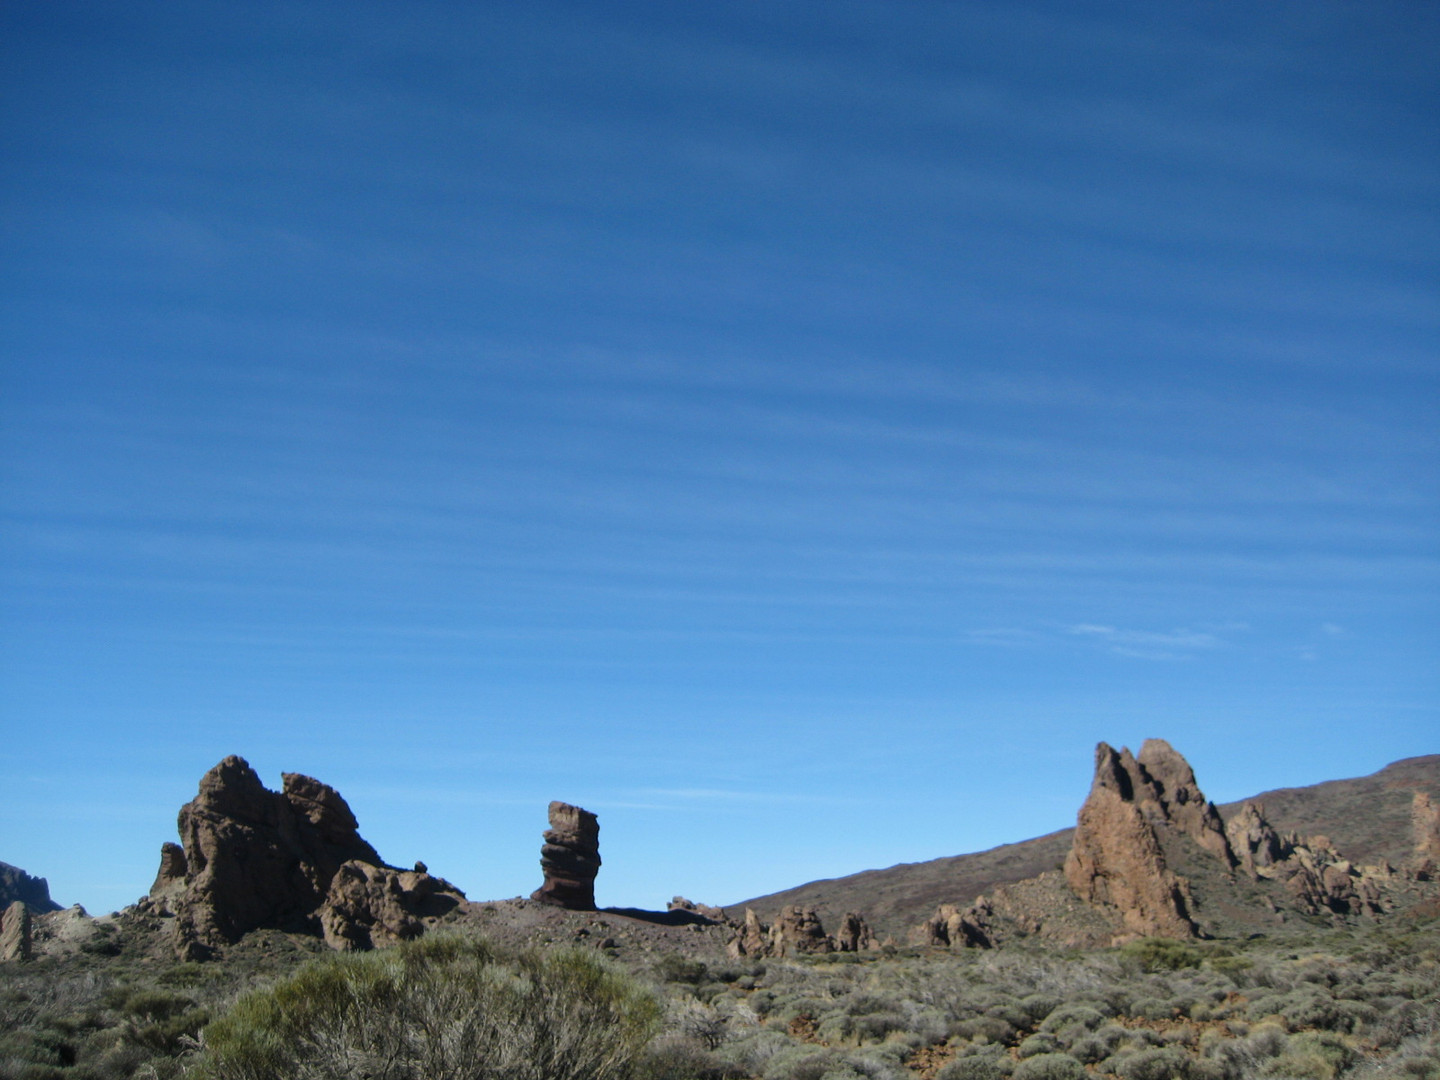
1425, 825
798, 931
1256, 844
1116, 860
854, 934
955, 928
570, 858
751, 938
371, 906
251, 858
15, 940
16, 884
1168, 789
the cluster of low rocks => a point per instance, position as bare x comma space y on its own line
797, 931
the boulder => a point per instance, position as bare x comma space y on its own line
570, 858
1116, 861
15, 932
371, 906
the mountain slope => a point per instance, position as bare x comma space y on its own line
1367, 818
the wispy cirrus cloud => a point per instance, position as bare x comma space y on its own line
1177, 644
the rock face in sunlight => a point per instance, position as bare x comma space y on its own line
16, 884
1116, 860
15, 932
798, 931
570, 858
1425, 822
252, 858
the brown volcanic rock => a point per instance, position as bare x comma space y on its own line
252, 858
1116, 861
16, 884
15, 932
1255, 843
1425, 826
855, 934
372, 906
570, 858
1167, 786
1369, 818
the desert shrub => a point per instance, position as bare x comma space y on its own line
1313, 1055
1039, 1006
1049, 1067
975, 1067
1078, 1014
1167, 1063
439, 1008
989, 1028
1161, 954
1040, 1043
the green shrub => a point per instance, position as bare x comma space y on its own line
976, 1067
436, 1009
1049, 1067
1161, 954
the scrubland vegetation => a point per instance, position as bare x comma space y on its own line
1361, 1005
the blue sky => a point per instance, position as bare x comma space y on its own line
797, 432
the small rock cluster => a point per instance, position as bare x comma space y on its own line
797, 931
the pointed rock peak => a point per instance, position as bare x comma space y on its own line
233, 789
1114, 771
318, 802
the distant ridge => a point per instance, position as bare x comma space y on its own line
1368, 818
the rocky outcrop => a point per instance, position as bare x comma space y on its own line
15, 932
252, 858
854, 934
798, 931
570, 858
16, 884
371, 906
1425, 826
703, 911
952, 927
1257, 846
1167, 792
1116, 860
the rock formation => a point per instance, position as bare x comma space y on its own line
1425, 824
1256, 844
952, 927
854, 934
15, 931
570, 858
1116, 860
255, 858
798, 931
372, 906
16, 884
704, 911
1167, 791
